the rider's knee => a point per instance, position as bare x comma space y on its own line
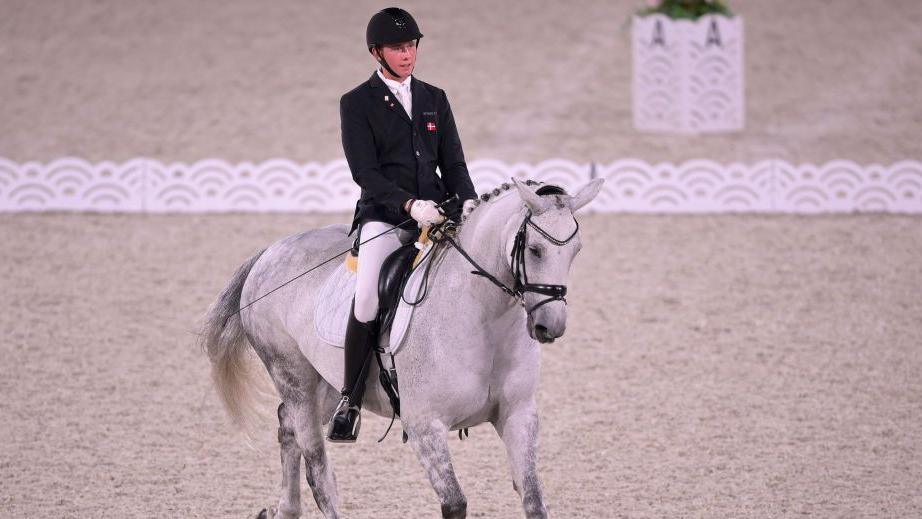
366, 307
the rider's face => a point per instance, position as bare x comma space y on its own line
401, 57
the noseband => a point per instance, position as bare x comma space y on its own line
521, 286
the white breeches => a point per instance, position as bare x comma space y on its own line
371, 257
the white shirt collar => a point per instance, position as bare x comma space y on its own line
394, 85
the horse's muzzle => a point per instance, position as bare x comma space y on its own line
541, 333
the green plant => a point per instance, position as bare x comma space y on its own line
687, 9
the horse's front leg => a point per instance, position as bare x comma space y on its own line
429, 442
518, 428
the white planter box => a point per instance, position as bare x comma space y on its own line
688, 75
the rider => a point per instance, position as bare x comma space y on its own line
396, 130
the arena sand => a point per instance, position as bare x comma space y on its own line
714, 366
528, 80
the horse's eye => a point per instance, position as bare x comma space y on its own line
536, 251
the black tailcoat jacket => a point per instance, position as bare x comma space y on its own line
394, 158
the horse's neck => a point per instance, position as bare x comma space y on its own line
484, 237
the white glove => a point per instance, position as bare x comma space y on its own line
468, 206
426, 212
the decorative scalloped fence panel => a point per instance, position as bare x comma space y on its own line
274, 185
688, 75
696, 186
72, 184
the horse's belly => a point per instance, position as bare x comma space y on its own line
457, 402
486, 414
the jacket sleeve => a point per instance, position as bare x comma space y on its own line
451, 156
362, 156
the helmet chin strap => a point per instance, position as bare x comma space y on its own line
387, 67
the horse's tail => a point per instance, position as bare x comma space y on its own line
225, 342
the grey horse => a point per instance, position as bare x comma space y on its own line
470, 355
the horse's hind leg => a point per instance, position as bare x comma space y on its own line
306, 399
289, 506
308, 427
429, 442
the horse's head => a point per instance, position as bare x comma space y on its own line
541, 250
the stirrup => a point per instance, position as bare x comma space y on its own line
345, 424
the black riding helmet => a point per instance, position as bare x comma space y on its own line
390, 26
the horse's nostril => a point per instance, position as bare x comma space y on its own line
543, 335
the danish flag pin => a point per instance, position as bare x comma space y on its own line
430, 126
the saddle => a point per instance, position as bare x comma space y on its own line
393, 276
399, 288
334, 302
394, 273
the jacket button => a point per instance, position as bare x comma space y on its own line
417, 153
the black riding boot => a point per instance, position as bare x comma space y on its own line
360, 340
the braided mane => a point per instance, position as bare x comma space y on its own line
545, 189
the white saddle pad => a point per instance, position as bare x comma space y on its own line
335, 300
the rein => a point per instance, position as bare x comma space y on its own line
520, 275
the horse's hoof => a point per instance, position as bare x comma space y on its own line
271, 513
455, 510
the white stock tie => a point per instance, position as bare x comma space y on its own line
403, 95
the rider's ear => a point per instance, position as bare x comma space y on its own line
586, 194
534, 202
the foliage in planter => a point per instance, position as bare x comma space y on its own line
687, 9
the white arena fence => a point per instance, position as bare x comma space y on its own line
632, 186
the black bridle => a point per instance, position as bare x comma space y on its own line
520, 275
521, 286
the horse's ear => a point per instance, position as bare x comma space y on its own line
586, 194
535, 203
